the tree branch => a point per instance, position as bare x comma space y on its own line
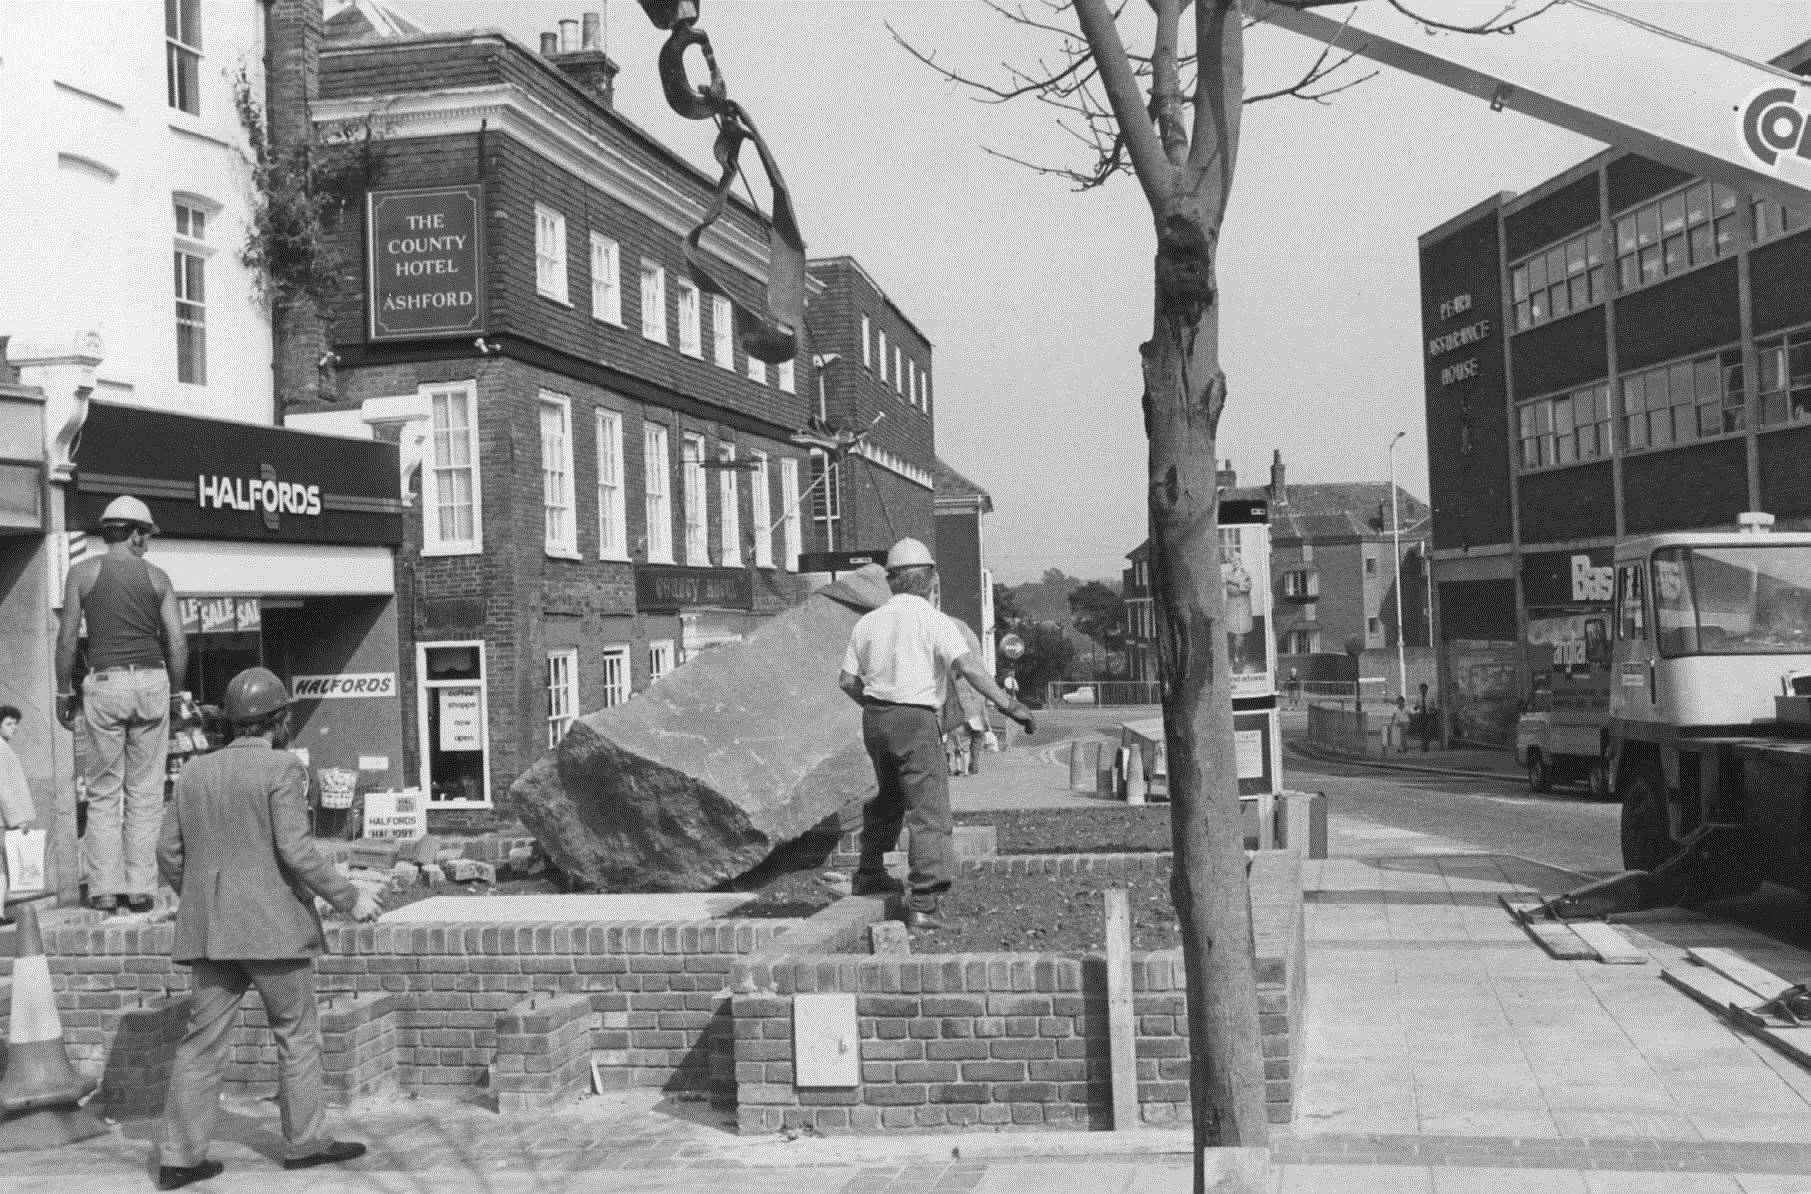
1155, 174
1166, 81
1496, 24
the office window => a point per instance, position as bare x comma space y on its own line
606, 280
757, 370
562, 692
549, 253
729, 497
653, 302
557, 501
791, 533
691, 337
655, 467
723, 331
1559, 280
761, 512
613, 666
452, 522
691, 475
660, 659
612, 516
880, 339
190, 257
785, 377
1565, 428
1683, 401
1674, 233
182, 53
1785, 381
867, 337
1771, 220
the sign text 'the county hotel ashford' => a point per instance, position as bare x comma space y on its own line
425, 254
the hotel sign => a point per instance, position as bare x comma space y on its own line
424, 249
662, 587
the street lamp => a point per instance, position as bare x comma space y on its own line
1402, 667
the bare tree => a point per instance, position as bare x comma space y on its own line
1168, 113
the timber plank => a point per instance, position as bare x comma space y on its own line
1554, 936
1734, 1002
1733, 966
1611, 947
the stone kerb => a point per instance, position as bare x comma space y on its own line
1002, 1040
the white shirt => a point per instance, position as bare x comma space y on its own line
903, 651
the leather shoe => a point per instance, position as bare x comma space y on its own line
175, 1177
873, 885
923, 918
333, 1154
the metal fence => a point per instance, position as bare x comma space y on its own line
1102, 692
1374, 689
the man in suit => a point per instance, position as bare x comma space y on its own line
235, 846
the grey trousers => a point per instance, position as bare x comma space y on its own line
128, 714
287, 988
906, 747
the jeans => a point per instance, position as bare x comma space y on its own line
907, 751
128, 714
193, 1101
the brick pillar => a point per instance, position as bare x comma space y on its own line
292, 71
543, 1056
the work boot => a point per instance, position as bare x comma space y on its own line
335, 1152
923, 918
868, 883
175, 1177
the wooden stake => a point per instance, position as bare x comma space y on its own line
1122, 1037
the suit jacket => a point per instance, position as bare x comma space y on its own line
235, 845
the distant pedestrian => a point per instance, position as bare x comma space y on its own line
898, 661
17, 810
964, 716
136, 655
1293, 686
1424, 718
1396, 732
235, 845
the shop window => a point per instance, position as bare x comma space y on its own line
614, 669
723, 332
658, 504
550, 253
1785, 380
1558, 280
691, 334
452, 522
653, 302
786, 377
1564, 428
454, 722
557, 502
1675, 233
691, 475
792, 534
612, 518
867, 337
182, 53
562, 692
606, 280
729, 497
660, 659
1683, 401
761, 511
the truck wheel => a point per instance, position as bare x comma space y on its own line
1598, 779
1540, 776
1646, 840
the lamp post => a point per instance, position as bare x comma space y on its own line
1402, 667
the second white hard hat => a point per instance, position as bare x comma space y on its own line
909, 553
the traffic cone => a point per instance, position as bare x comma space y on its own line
41, 1094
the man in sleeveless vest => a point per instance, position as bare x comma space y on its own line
136, 652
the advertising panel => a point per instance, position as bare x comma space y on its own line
1245, 573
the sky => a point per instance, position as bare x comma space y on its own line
1035, 297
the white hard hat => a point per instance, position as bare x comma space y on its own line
127, 508
909, 553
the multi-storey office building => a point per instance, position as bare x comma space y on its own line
1623, 348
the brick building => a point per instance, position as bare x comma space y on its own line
602, 481
1622, 349
966, 583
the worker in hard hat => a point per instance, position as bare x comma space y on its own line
236, 847
899, 659
136, 654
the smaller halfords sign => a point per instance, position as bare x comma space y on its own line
395, 816
345, 685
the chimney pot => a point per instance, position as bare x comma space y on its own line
550, 44
594, 31
569, 37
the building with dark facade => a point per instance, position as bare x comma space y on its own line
966, 583
602, 481
1623, 348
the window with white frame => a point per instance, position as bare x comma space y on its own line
1301, 642
898, 369
911, 386
452, 521
613, 666
1674, 233
660, 659
656, 468
691, 475
729, 497
182, 53
191, 254
925, 406
757, 370
723, 331
791, 532
653, 302
761, 511
880, 340
826, 502
562, 692
785, 376
557, 500
453, 724
612, 513
867, 337
606, 280
691, 316
549, 253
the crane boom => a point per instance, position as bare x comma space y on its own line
1642, 88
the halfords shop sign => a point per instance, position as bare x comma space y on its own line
264, 494
425, 252
345, 686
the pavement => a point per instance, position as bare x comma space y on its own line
1445, 1053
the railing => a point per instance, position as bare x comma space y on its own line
1374, 690
1060, 693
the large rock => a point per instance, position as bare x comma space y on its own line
705, 774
